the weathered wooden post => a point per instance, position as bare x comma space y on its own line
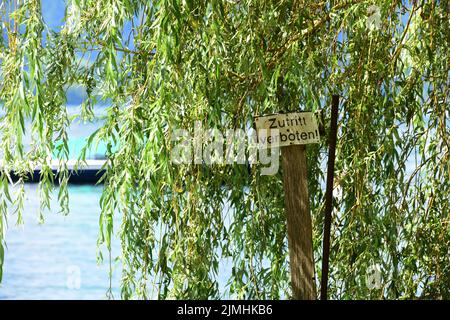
299, 226
291, 132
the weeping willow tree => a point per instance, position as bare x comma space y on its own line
168, 64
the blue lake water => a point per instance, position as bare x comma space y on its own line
57, 259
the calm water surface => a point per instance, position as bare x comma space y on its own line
57, 259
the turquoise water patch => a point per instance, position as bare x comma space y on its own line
76, 145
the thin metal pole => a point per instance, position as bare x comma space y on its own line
329, 197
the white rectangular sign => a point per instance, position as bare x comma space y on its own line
286, 129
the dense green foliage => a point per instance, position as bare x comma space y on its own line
162, 65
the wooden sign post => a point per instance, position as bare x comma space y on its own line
291, 132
